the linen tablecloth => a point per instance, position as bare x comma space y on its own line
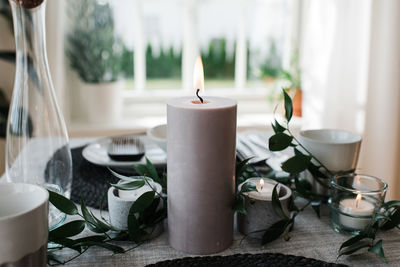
312, 237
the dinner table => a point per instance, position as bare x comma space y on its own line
311, 237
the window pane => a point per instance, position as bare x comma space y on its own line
267, 32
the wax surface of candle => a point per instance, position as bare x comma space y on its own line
264, 190
355, 208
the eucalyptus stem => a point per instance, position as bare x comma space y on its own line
152, 188
305, 206
71, 259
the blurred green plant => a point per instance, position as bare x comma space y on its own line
292, 76
217, 64
273, 63
167, 64
93, 49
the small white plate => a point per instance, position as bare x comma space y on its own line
96, 153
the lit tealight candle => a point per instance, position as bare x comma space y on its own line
264, 190
258, 205
353, 211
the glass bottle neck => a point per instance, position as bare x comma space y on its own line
30, 40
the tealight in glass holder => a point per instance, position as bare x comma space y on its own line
355, 200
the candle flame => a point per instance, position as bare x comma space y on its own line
261, 183
358, 199
198, 75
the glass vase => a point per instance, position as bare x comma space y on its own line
37, 149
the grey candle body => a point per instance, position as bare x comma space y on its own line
201, 142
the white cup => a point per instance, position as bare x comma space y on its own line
338, 150
23, 224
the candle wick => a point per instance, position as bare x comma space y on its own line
197, 93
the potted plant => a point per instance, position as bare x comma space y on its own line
292, 80
95, 54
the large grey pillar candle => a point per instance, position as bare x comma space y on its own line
201, 142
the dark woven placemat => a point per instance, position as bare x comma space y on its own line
239, 260
89, 180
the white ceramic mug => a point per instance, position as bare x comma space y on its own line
23, 224
338, 150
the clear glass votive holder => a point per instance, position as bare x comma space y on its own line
355, 200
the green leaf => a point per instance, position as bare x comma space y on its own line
248, 187
279, 141
133, 226
66, 230
122, 177
352, 249
141, 169
315, 171
239, 205
142, 202
303, 188
353, 240
297, 152
149, 212
62, 203
159, 215
275, 231
394, 220
241, 167
152, 171
277, 127
296, 164
288, 106
378, 250
276, 204
92, 222
130, 185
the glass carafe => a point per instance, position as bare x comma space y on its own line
37, 149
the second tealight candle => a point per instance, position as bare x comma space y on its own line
258, 204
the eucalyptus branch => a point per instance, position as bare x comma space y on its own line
143, 214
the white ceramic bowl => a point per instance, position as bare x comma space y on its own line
158, 135
23, 224
338, 150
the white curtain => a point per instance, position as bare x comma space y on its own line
350, 57
334, 57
